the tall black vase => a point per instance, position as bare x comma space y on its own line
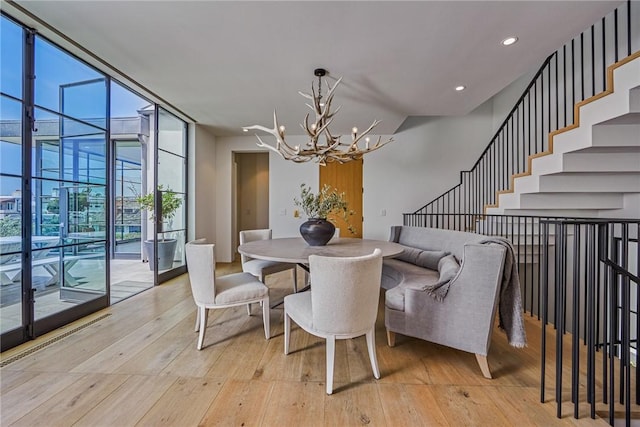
317, 232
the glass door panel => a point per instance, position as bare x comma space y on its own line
171, 190
127, 186
10, 254
69, 273
11, 301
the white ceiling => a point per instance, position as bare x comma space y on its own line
227, 64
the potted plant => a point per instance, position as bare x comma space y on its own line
166, 247
318, 229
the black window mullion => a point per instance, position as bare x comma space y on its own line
28, 124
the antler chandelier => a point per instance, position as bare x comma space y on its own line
332, 149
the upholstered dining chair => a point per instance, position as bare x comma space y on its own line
342, 304
220, 292
262, 268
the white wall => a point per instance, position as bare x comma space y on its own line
202, 177
505, 100
424, 161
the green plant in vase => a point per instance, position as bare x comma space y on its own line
171, 202
318, 229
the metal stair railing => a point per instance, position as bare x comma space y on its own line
573, 73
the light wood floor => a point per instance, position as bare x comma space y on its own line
139, 366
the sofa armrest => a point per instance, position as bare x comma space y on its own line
465, 318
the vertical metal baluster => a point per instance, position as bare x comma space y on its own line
637, 240
613, 321
626, 321
539, 267
545, 299
535, 120
590, 323
615, 34
564, 86
573, 83
604, 55
546, 137
557, 126
603, 241
593, 61
582, 66
528, 140
559, 316
575, 337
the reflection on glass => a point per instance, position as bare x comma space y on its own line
178, 221
10, 253
171, 170
74, 88
172, 133
69, 209
10, 138
10, 58
76, 275
83, 155
179, 258
128, 186
172, 136
10, 228
125, 103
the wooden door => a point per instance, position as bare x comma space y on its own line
347, 178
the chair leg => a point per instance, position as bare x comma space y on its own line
331, 354
371, 346
266, 318
287, 330
197, 328
391, 338
295, 279
248, 309
484, 366
203, 326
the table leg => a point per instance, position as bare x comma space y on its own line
306, 287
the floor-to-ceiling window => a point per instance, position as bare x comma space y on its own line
54, 152
69, 184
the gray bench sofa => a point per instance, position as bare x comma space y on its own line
455, 307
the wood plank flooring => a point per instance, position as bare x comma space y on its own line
140, 366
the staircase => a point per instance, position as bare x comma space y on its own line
592, 167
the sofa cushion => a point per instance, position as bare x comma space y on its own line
409, 254
406, 276
430, 259
421, 257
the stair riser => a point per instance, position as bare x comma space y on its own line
593, 166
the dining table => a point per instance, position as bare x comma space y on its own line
297, 250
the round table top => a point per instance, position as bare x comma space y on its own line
295, 249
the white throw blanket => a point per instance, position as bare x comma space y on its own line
510, 303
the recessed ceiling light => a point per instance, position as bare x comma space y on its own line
459, 88
509, 41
